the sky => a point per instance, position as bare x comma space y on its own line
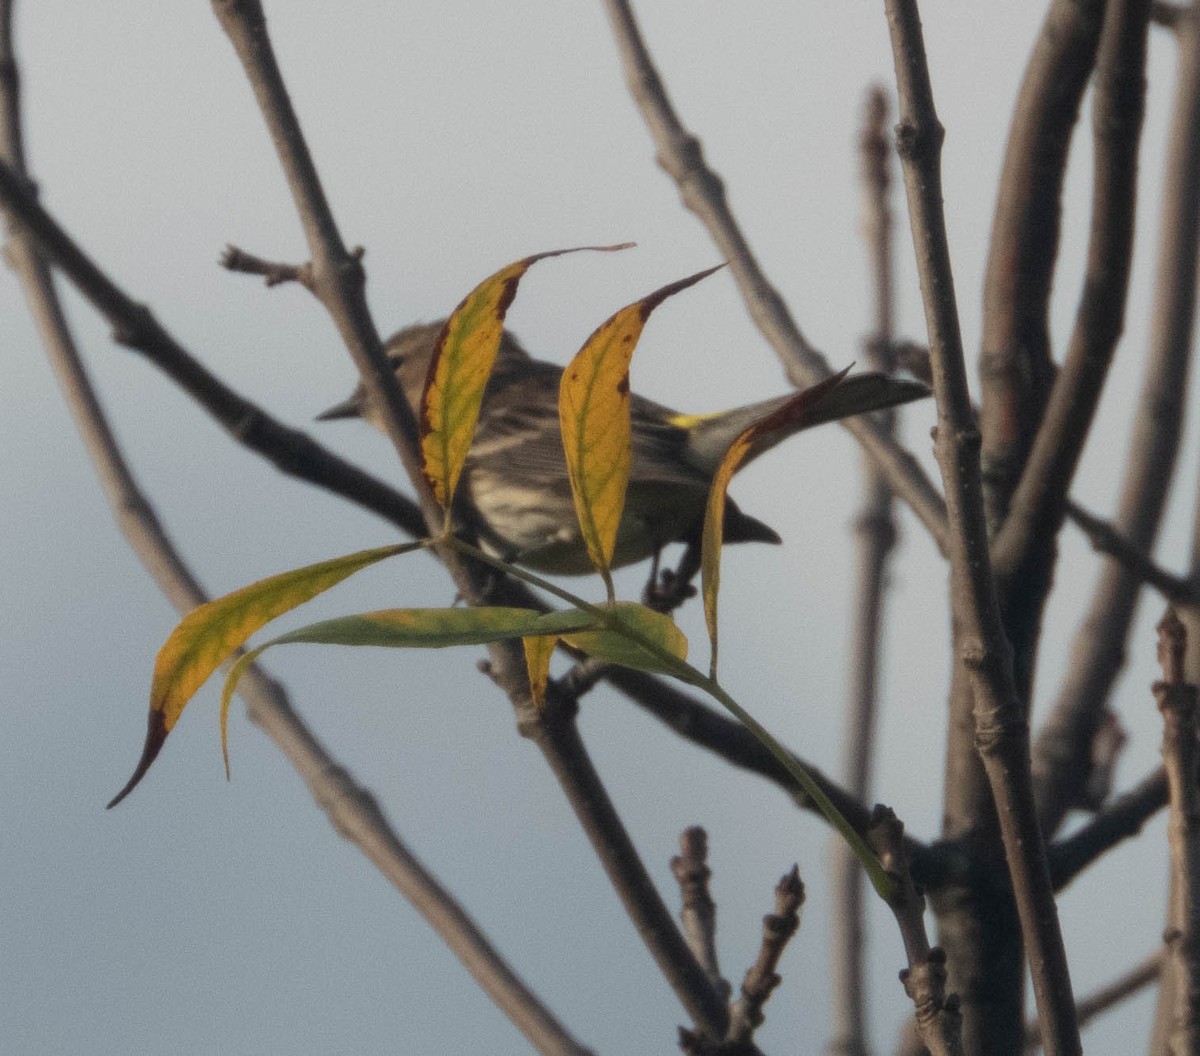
204, 917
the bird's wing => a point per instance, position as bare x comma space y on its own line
515, 426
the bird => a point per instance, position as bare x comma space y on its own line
515, 495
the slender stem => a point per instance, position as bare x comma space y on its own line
875, 533
701, 190
1177, 701
1001, 726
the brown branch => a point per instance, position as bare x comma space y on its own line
761, 979
938, 1022
1166, 14
1015, 366
876, 532
1061, 757
1025, 548
351, 809
556, 734
1105, 539
702, 192
1177, 701
337, 278
274, 273
1120, 820
1001, 727
1101, 1000
698, 911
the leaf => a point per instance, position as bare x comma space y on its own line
538, 651
212, 632
714, 517
617, 648
593, 408
412, 629
459, 371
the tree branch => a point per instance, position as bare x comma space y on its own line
1025, 549
876, 533
1063, 748
1001, 727
1015, 367
351, 809
702, 192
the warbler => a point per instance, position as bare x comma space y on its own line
514, 493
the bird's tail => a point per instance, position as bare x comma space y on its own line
709, 435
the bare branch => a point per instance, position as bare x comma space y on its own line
1179, 590
698, 914
1015, 367
1119, 820
1061, 757
701, 190
276, 273
1025, 548
1094, 1004
1177, 701
746, 1016
939, 1025
876, 532
1001, 727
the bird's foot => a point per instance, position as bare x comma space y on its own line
667, 591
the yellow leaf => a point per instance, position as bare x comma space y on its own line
459, 371
618, 648
538, 651
211, 633
795, 409
593, 407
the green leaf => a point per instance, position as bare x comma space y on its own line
593, 407
617, 647
459, 370
211, 633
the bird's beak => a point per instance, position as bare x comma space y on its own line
348, 408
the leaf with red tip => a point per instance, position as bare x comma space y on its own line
211, 633
714, 518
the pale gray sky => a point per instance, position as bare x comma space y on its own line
205, 918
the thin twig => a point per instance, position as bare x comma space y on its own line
1177, 701
1001, 726
939, 1024
698, 911
1119, 820
761, 979
1105, 539
702, 192
876, 532
1101, 1000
